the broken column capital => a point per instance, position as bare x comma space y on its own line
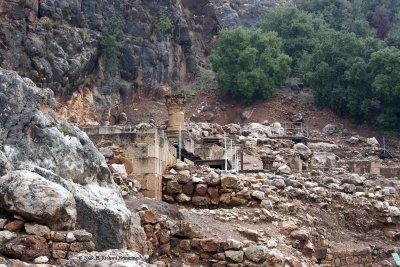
175, 103
176, 113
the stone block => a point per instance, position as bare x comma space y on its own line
60, 246
188, 188
82, 235
211, 245
173, 187
37, 229
200, 201
59, 254
234, 255
80, 246
200, 190
14, 226
147, 216
190, 258
58, 236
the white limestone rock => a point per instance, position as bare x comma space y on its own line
37, 199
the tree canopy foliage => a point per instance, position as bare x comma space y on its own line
250, 64
347, 51
337, 49
300, 31
110, 43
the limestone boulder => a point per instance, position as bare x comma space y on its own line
372, 141
5, 166
37, 199
277, 129
303, 150
257, 129
278, 183
227, 16
284, 169
31, 139
329, 129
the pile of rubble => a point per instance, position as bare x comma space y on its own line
307, 186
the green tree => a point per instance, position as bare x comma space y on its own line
337, 71
298, 29
385, 68
112, 33
164, 24
250, 64
339, 14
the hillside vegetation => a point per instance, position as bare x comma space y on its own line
347, 51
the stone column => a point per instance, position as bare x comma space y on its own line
176, 114
268, 161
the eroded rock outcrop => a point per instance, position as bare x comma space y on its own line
55, 163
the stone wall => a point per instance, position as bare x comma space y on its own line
183, 239
34, 242
367, 166
145, 155
211, 190
390, 172
360, 257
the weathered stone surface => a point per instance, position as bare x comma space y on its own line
234, 244
213, 179
258, 195
80, 246
33, 141
60, 246
256, 253
301, 235
372, 141
37, 229
82, 235
234, 255
27, 247
303, 150
183, 198
190, 258
211, 245
41, 260
174, 187
70, 237
200, 201
3, 223
229, 181
147, 216
284, 169
329, 129
200, 190
288, 226
188, 188
59, 254
278, 183
188, 230
15, 226
6, 236
37, 199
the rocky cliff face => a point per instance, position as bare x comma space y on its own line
57, 44
52, 174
